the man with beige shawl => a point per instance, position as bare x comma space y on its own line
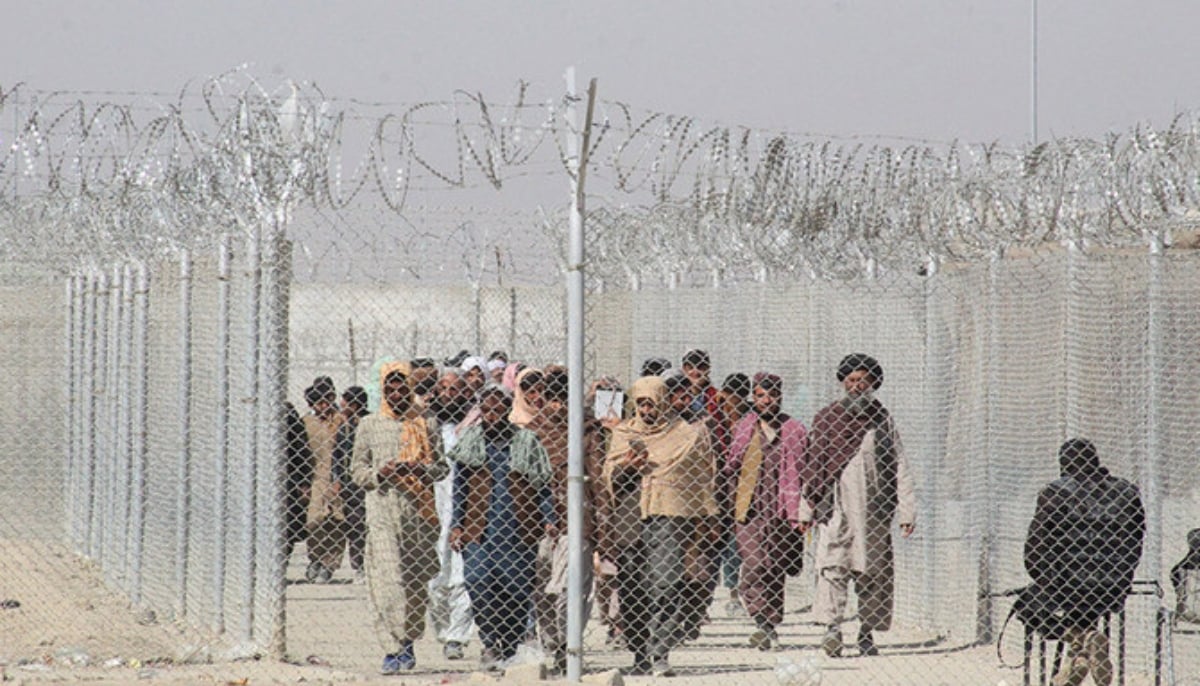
855, 484
666, 466
397, 458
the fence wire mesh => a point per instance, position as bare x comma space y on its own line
290, 385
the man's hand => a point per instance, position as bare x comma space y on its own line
391, 469
803, 527
637, 457
456, 542
906, 530
551, 530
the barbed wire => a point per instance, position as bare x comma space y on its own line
672, 197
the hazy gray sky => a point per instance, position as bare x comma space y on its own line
934, 69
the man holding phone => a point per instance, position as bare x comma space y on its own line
668, 464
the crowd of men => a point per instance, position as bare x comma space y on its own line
451, 499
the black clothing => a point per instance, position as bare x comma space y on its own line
1084, 544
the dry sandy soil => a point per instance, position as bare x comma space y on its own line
67, 617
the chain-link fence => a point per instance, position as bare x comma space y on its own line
268, 405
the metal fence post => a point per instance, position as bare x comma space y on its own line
124, 418
87, 390
71, 415
1152, 487
221, 458
138, 423
1071, 423
248, 476
112, 483
98, 485
182, 492
985, 517
272, 392
576, 593
928, 496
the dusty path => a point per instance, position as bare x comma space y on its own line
66, 612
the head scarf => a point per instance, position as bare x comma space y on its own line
511, 370
414, 437
654, 366
674, 380
522, 412
472, 362
856, 361
386, 369
673, 457
768, 381
654, 388
526, 454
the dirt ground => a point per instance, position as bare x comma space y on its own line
69, 627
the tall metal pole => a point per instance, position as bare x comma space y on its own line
87, 399
125, 426
271, 583
183, 466
98, 485
1156, 363
221, 482
1033, 71
137, 505
248, 476
71, 430
576, 594
112, 470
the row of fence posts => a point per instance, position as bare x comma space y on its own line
108, 372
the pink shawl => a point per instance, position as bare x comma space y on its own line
794, 440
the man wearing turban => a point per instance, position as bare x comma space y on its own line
326, 515
855, 484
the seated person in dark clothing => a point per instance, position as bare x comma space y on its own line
1083, 546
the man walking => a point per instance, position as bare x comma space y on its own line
669, 464
502, 506
325, 517
764, 466
857, 482
397, 458
354, 408
449, 605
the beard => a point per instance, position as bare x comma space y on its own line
448, 412
499, 432
860, 404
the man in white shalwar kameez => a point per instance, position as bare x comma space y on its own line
449, 604
857, 483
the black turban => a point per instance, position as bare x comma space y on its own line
321, 389
856, 361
